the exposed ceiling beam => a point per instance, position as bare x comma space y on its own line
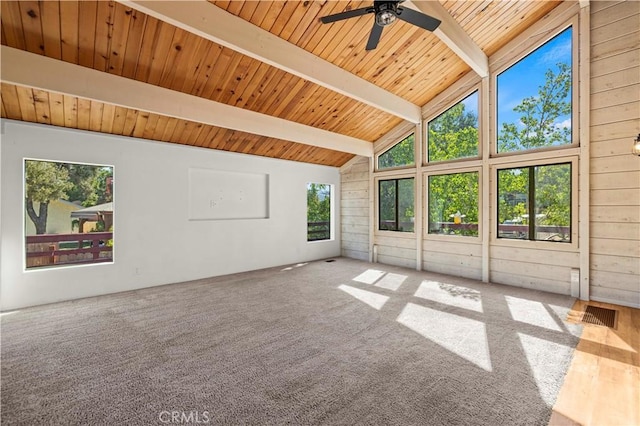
217, 25
32, 70
452, 34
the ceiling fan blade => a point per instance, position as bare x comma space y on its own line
418, 19
374, 37
346, 15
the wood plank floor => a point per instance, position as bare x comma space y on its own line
602, 386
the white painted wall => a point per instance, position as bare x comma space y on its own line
155, 243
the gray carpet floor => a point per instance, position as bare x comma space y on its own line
343, 342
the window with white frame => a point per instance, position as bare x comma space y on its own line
401, 154
396, 207
68, 213
534, 202
318, 211
534, 98
454, 133
453, 200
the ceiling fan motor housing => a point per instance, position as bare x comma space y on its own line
386, 12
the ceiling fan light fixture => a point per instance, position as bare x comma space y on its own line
385, 17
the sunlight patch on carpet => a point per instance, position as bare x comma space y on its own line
391, 281
548, 362
531, 312
449, 294
369, 276
465, 337
374, 300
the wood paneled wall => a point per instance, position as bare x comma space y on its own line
354, 205
615, 172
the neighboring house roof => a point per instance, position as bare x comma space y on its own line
92, 212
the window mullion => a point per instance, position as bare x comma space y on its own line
397, 209
532, 204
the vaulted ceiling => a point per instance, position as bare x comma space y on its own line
256, 77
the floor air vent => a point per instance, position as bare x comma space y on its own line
600, 316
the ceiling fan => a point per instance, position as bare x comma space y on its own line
386, 13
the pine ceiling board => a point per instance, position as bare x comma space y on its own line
13, 34
104, 34
10, 101
241, 72
383, 69
32, 26
524, 21
197, 131
196, 68
51, 26
248, 87
108, 115
70, 111
328, 35
261, 11
84, 113
147, 46
305, 25
224, 4
129, 122
196, 85
56, 109
312, 36
374, 66
164, 128
118, 121
27, 107
168, 129
219, 67
87, 15
204, 138
187, 66
161, 48
69, 31
41, 104
248, 7
235, 7
178, 52
95, 118
133, 44
120, 34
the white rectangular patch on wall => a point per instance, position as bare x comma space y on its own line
220, 195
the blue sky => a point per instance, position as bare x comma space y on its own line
523, 78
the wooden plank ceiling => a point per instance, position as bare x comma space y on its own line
114, 38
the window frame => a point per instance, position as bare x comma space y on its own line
390, 145
572, 22
537, 244
332, 213
30, 270
389, 177
460, 93
425, 191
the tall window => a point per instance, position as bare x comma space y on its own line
400, 155
534, 203
318, 211
534, 108
454, 133
68, 213
453, 204
396, 205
